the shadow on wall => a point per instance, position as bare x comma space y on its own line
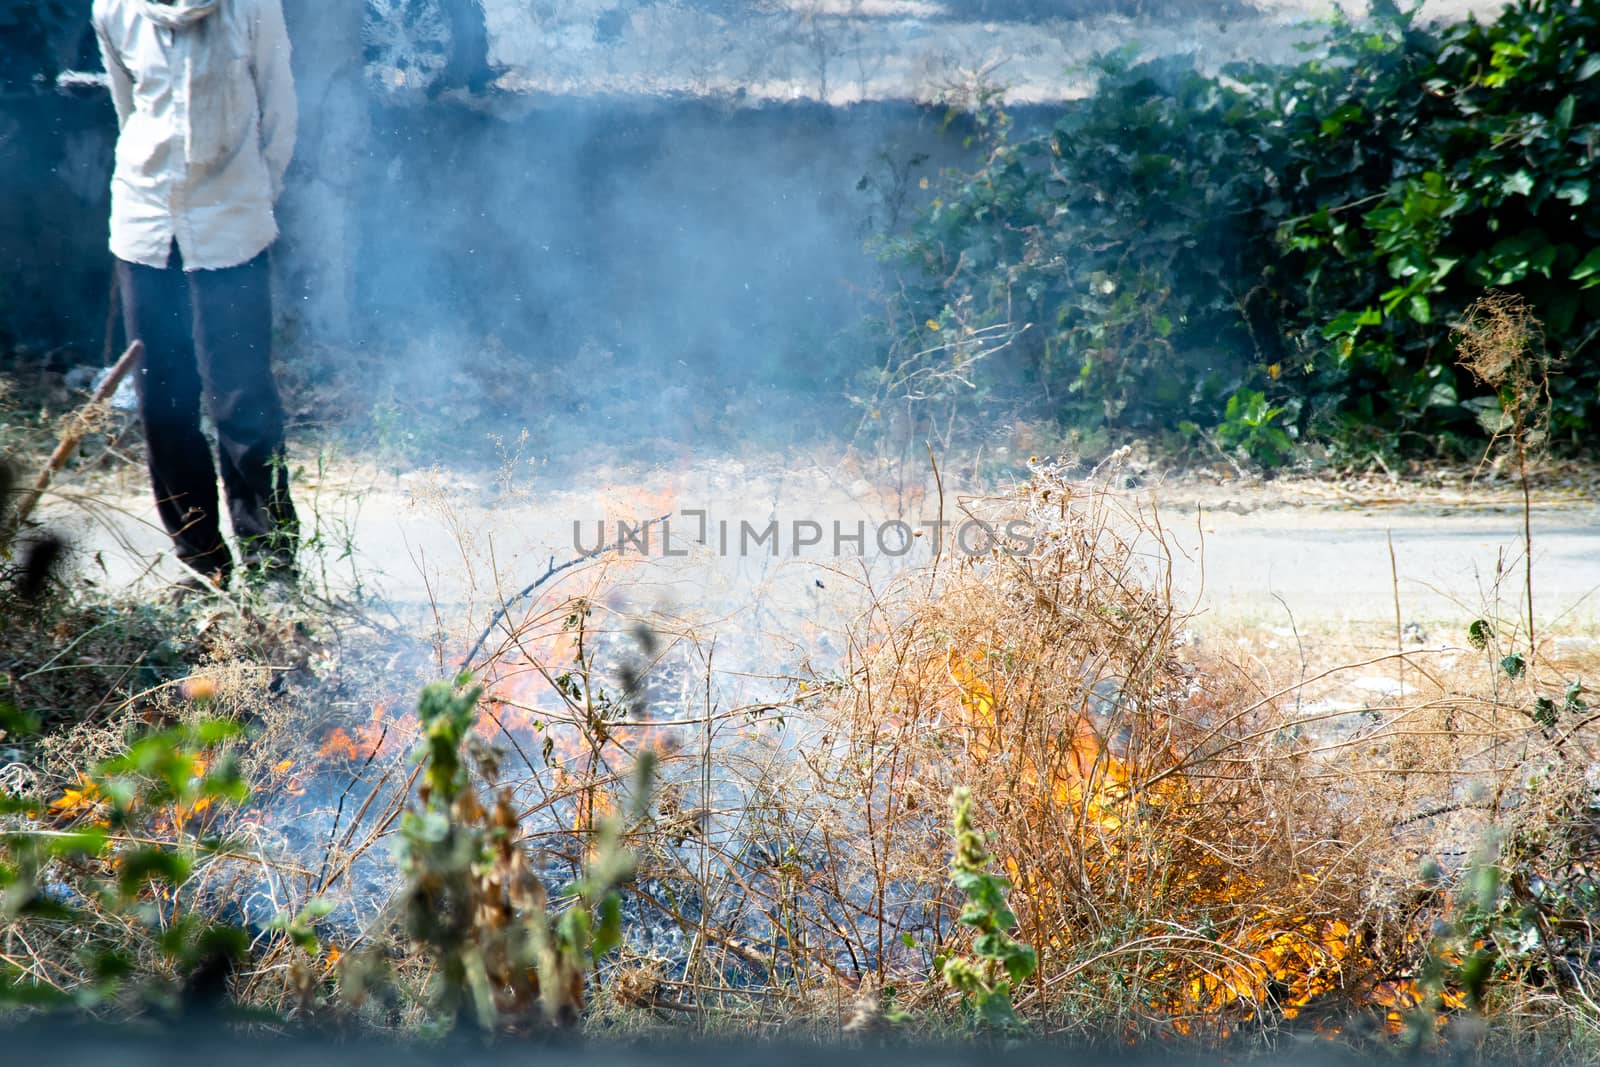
55, 270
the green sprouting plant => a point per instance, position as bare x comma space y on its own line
1250, 424
108, 861
999, 962
507, 956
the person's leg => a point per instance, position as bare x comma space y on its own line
233, 339
155, 310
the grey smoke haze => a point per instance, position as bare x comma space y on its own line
666, 245
662, 200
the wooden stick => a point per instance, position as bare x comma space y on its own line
70, 439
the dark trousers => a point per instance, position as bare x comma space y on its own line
209, 334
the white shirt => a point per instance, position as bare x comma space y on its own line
205, 101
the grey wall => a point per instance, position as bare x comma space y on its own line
731, 239
728, 240
55, 161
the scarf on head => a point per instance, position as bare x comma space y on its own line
177, 14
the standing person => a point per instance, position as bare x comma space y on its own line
206, 108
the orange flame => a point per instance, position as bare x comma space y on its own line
1291, 960
377, 735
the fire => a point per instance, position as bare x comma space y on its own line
87, 802
285, 780
201, 689
378, 735
1400, 999
1269, 955
80, 803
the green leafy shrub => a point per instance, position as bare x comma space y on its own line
99, 880
108, 877
1116, 235
1307, 232
1250, 424
1483, 138
508, 956
1002, 962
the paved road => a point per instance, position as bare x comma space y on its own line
1334, 565
448, 538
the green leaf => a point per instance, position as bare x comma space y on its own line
1513, 665
90, 841
216, 943
1574, 192
1563, 116
316, 908
608, 935
1479, 633
1474, 974
1519, 183
576, 929
1441, 395
1542, 259
142, 865
1021, 963
1562, 310
214, 731
31, 994
16, 723
1349, 322
995, 1010
1588, 267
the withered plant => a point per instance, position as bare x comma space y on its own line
1172, 867
1503, 346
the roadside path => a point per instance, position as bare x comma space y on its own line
1241, 557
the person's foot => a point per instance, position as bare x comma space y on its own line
273, 583
196, 585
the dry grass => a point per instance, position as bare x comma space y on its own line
1193, 856
1168, 854
1198, 852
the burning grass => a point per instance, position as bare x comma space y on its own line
1193, 854
1176, 864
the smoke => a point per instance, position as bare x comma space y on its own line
655, 226
710, 260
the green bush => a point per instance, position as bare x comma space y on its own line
1480, 128
1308, 232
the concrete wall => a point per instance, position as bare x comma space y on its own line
732, 239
